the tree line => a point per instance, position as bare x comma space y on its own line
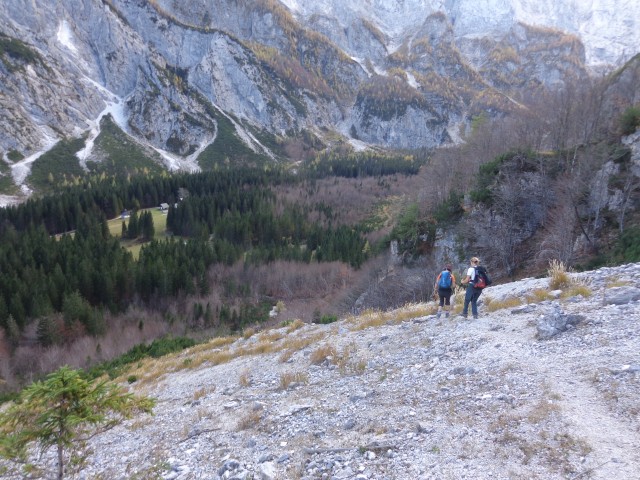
361, 164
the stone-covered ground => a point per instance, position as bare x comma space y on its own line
547, 389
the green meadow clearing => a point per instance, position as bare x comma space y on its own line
134, 246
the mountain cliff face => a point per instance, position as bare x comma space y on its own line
179, 77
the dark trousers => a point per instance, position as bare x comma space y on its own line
444, 294
471, 296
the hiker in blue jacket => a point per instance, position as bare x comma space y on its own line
472, 294
444, 285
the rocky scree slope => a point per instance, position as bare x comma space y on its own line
546, 389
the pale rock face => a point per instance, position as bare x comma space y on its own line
94, 54
633, 142
403, 131
608, 28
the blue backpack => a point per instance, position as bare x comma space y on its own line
445, 279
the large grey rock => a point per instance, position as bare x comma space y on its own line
555, 323
621, 295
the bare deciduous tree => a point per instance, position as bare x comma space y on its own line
506, 233
559, 238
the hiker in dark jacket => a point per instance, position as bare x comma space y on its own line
444, 285
472, 294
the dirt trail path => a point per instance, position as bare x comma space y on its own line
614, 441
616, 450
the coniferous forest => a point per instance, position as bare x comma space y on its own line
57, 255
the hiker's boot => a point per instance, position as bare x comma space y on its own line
446, 315
438, 315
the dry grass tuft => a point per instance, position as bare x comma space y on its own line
291, 378
458, 294
293, 345
245, 378
219, 357
542, 411
616, 282
217, 342
414, 310
251, 420
347, 362
538, 295
322, 354
376, 318
280, 306
198, 394
286, 355
271, 336
248, 333
140, 423
353, 367
295, 325
342, 359
261, 347
576, 290
456, 308
558, 275
560, 279
510, 302
150, 370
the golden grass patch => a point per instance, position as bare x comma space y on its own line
217, 342
375, 318
457, 308
295, 344
323, 353
271, 336
538, 295
510, 302
295, 325
414, 310
248, 333
575, 290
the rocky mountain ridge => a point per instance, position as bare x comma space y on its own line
545, 384
177, 80
606, 28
